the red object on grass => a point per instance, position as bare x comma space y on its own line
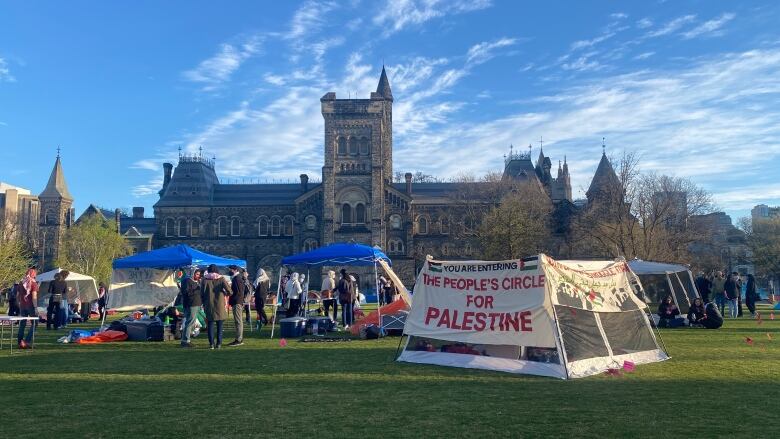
613, 372
749, 341
771, 316
103, 337
629, 366
283, 342
373, 317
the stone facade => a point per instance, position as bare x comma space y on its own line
356, 200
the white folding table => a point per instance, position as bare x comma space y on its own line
11, 321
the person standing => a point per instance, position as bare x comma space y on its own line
28, 300
237, 303
740, 286
390, 292
214, 290
57, 289
718, 291
13, 300
293, 295
731, 288
328, 294
304, 295
102, 300
249, 292
751, 295
191, 301
381, 292
346, 291
704, 286
262, 286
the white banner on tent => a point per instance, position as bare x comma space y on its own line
590, 285
133, 288
482, 302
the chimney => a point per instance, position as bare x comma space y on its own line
304, 182
138, 212
167, 171
117, 217
408, 177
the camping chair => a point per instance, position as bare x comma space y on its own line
313, 300
393, 321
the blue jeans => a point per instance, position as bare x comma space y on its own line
720, 301
347, 312
27, 312
219, 332
190, 317
64, 312
733, 308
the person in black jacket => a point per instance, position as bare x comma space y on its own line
668, 312
732, 294
237, 302
713, 319
704, 286
751, 295
696, 313
262, 287
191, 301
57, 291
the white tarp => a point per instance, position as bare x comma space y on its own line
134, 288
79, 285
536, 315
639, 266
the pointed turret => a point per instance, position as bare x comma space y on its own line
604, 179
383, 89
56, 187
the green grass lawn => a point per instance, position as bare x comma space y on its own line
715, 385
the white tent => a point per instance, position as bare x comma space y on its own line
79, 285
531, 316
660, 280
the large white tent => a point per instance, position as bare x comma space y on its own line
660, 279
564, 319
79, 285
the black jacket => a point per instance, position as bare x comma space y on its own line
58, 289
238, 286
261, 292
704, 286
695, 313
668, 310
190, 293
732, 289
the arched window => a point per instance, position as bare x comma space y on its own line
353, 146
396, 246
311, 222
262, 226
169, 227
342, 145
363, 146
310, 244
276, 226
444, 223
222, 226
195, 227
395, 222
346, 214
288, 226
235, 227
391, 246
422, 225
49, 217
360, 214
182, 227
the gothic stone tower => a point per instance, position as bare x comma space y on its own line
358, 165
56, 215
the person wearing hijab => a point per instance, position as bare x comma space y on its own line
751, 295
215, 289
262, 287
28, 300
327, 293
294, 295
696, 313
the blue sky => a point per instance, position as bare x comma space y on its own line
692, 86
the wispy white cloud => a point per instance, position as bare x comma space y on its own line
671, 26
644, 55
278, 80
644, 23
710, 27
308, 19
483, 52
213, 72
581, 44
397, 14
618, 16
5, 72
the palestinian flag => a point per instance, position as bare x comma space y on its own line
529, 264
435, 267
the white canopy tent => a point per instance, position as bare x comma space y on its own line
539, 316
79, 285
660, 279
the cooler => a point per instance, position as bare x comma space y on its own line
292, 327
323, 325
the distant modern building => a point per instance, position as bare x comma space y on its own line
762, 212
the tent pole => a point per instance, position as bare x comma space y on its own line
378, 308
306, 292
273, 306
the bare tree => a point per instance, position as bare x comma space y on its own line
15, 255
763, 240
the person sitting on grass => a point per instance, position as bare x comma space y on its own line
713, 319
696, 313
668, 313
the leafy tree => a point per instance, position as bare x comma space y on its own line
763, 239
15, 256
520, 224
90, 246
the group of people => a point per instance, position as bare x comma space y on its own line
212, 292
717, 292
727, 290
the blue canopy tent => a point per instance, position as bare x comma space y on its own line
174, 257
147, 279
342, 253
